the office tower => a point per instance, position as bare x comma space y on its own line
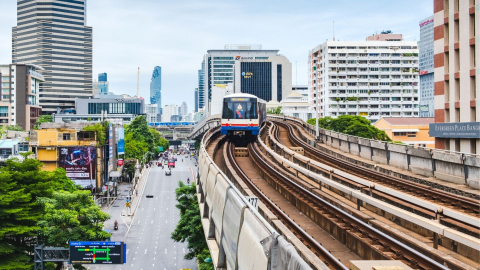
102, 77
19, 103
196, 99
183, 109
100, 87
268, 79
456, 35
425, 51
200, 99
218, 65
168, 112
156, 87
372, 78
52, 34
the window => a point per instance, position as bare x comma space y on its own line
66, 136
3, 111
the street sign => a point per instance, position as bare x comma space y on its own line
98, 252
253, 201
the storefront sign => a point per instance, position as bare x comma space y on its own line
79, 162
455, 130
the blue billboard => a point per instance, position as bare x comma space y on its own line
121, 141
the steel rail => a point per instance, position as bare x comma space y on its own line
327, 257
401, 250
392, 181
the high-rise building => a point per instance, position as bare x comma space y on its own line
100, 87
425, 51
200, 98
183, 109
196, 100
456, 35
368, 78
52, 34
268, 79
168, 112
156, 87
218, 66
19, 103
102, 77
151, 110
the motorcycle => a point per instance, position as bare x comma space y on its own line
115, 225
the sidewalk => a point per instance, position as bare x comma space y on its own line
118, 210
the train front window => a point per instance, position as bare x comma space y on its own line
239, 110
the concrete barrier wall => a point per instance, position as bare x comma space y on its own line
238, 237
450, 166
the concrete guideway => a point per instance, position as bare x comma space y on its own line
147, 234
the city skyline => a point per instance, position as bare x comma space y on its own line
161, 45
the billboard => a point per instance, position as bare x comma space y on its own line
121, 141
79, 162
464, 130
98, 252
110, 148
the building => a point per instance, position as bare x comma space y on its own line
59, 145
19, 103
196, 100
156, 87
369, 78
302, 89
100, 87
411, 131
296, 105
218, 66
151, 110
12, 148
200, 98
52, 34
183, 109
268, 79
425, 51
111, 104
168, 112
456, 35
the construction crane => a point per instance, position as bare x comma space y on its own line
138, 81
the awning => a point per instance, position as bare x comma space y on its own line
406, 130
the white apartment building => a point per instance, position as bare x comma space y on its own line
151, 111
371, 78
297, 105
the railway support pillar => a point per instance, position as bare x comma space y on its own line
359, 204
435, 240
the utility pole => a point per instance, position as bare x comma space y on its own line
138, 81
316, 99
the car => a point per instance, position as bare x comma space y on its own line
168, 172
165, 162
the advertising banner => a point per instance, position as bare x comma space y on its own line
79, 162
464, 130
121, 141
110, 148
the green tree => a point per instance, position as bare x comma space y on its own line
129, 167
134, 148
101, 130
277, 110
21, 183
352, 125
70, 216
140, 130
189, 227
42, 119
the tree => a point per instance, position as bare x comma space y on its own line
129, 167
352, 125
189, 227
15, 127
134, 148
42, 119
140, 131
21, 183
100, 130
277, 110
71, 216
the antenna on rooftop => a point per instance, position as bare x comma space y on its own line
333, 30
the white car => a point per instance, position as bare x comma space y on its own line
168, 172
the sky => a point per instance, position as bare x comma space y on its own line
176, 34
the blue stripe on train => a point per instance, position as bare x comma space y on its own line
224, 130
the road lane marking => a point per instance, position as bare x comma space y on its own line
127, 251
145, 251
184, 250
165, 251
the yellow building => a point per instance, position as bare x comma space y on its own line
67, 146
408, 130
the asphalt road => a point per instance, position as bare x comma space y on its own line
148, 241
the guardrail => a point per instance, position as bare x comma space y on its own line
204, 125
237, 235
460, 168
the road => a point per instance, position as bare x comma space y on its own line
148, 241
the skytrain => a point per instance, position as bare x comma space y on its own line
243, 114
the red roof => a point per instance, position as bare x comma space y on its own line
409, 121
